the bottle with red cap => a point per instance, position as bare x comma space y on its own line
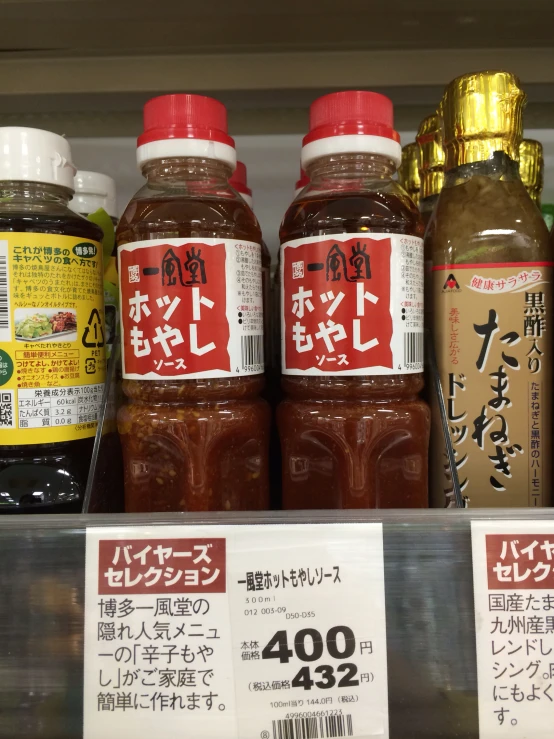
194, 430
354, 432
239, 182
276, 287
301, 183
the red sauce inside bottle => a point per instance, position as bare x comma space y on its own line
353, 441
198, 444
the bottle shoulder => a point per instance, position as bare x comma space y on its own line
485, 220
176, 212
378, 207
55, 220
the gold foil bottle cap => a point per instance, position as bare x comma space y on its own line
408, 172
531, 168
482, 113
431, 165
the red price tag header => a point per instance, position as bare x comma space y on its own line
161, 566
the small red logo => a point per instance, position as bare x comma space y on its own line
451, 283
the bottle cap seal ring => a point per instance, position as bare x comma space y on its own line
351, 122
185, 125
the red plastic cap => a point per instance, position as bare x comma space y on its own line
303, 181
184, 116
351, 112
239, 180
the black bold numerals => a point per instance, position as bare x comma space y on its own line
328, 678
277, 648
300, 645
308, 645
303, 679
349, 642
351, 671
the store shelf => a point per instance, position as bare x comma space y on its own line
429, 608
86, 68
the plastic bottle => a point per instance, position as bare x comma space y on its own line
95, 199
301, 183
239, 182
52, 355
194, 431
492, 294
431, 174
276, 285
94, 190
354, 433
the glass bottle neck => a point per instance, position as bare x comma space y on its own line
426, 205
33, 193
498, 167
350, 166
186, 169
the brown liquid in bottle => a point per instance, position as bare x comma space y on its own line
193, 445
485, 217
360, 441
60, 469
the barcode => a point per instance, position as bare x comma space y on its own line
252, 351
4, 293
6, 409
413, 348
313, 728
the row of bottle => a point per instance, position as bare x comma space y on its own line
194, 288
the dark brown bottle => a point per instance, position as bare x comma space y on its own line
43, 468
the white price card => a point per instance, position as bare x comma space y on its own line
242, 632
513, 575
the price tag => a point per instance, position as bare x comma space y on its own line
513, 574
309, 622
246, 632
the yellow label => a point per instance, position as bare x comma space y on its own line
52, 338
493, 342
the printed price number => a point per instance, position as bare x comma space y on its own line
309, 646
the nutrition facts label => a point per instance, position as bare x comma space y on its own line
53, 407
